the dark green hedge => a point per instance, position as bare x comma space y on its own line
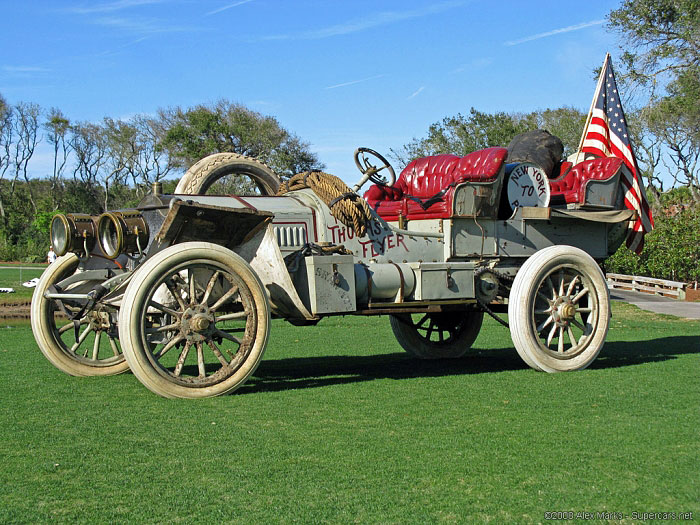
671, 250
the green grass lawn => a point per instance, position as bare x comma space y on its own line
338, 425
12, 276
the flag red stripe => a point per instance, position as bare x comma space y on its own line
595, 151
598, 121
592, 135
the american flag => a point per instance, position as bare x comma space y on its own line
606, 136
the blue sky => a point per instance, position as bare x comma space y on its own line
338, 74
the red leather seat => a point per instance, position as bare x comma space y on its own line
571, 187
426, 177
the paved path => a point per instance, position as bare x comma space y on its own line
658, 304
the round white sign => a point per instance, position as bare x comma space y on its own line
528, 186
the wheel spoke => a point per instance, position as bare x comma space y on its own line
420, 323
210, 287
81, 339
584, 310
228, 336
166, 328
232, 291
560, 343
69, 326
96, 345
572, 336
230, 317
561, 282
579, 295
579, 326
175, 340
200, 360
551, 335
193, 292
544, 297
170, 283
550, 284
544, 324
113, 344
217, 353
571, 285
163, 308
181, 359
233, 330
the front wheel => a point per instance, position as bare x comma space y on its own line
444, 335
194, 322
559, 310
88, 346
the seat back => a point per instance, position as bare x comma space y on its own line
427, 176
570, 187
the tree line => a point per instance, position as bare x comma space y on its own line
96, 166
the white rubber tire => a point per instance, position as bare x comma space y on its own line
207, 171
521, 309
417, 345
131, 327
43, 327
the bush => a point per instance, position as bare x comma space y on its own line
671, 250
626, 262
7, 249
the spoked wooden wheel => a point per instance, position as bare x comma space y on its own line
437, 335
95, 350
559, 310
195, 321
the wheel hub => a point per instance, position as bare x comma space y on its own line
487, 287
99, 320
563, 311
197, 323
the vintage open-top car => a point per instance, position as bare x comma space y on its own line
181, 289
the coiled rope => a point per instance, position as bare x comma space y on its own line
345, 205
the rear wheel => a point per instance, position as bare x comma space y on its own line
87, 347
443, 335
559, 310
195, 321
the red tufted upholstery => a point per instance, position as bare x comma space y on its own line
425, 177
564, 168
571, 187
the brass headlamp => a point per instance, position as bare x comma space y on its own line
122, 232
74, 232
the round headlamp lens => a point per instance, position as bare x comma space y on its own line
111, 236
59, 234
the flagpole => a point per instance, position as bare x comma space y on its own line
590, 111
